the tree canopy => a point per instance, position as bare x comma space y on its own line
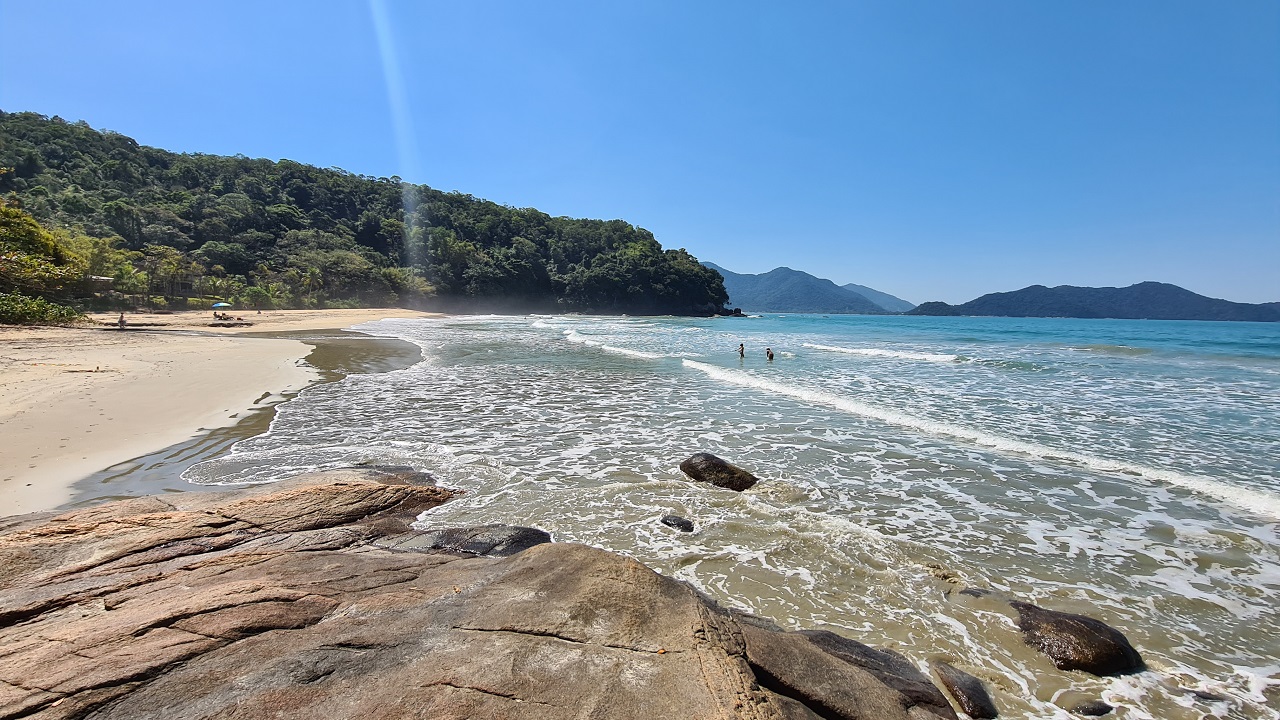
306, 236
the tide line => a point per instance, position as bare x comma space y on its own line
1254, 501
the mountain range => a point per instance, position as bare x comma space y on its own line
1143, 301
786, 290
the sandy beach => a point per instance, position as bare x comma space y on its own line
76, 400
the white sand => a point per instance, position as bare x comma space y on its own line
75, 401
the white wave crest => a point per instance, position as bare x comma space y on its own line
631, 353
1256, 501
880, 352
573, 337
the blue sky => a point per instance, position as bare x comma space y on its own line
934, 150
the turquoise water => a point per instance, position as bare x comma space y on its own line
1129, 470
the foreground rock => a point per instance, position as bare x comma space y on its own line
705, 467
314, 598
1077, 642
970, 694
495, 540
887, 666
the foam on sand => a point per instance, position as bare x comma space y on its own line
1255, 501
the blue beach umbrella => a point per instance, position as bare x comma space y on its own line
219, 305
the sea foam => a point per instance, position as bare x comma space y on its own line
631, 353
1255, 501
881, 352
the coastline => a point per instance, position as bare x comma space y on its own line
77, 401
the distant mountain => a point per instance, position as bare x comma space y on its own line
883, 299
1144, 301
786, 290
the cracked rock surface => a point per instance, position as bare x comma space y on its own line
310, 599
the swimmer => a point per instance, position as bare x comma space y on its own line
768, 354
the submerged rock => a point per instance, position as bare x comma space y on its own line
400, 474
705, 467
1077, 642
311, 599
968, 690
1092, 708
677, 522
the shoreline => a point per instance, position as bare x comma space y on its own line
78, 402
334, 355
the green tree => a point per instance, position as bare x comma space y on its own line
258, 297
31, 258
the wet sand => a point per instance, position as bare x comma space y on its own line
74, 400
334, 355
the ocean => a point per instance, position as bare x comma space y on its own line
1126, 470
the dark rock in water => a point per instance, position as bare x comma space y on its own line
975, 592
887, 666
1093, 708
968, 690
491, 540
292, 600
677, 522
1207, 696
794, 666
705, 467
1077, 642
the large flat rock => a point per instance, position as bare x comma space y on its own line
310, 599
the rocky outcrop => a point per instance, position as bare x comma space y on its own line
970, 694
887, 666
494, 540
315, 598
705, 467
1077, 642
794, 666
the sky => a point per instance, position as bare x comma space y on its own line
934, 150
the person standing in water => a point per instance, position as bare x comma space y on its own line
768, 354
742, 351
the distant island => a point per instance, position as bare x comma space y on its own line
792, 291
1143, 301
95, 220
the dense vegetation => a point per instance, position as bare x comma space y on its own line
191, 228
1143, 301
786, 290
33, 264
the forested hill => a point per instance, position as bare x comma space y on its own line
786, 290
892, 303
1143, 301
304, 235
